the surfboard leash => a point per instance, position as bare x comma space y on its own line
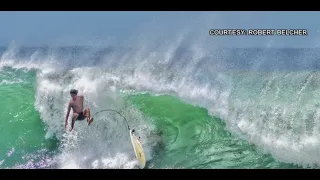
112, 110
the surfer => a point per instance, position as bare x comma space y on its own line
76, 103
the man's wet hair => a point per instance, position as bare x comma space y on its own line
74, 91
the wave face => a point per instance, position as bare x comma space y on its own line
265, 97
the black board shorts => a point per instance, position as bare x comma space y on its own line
81, 116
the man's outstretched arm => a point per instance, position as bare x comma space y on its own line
67, 116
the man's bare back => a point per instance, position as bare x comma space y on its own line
76, 104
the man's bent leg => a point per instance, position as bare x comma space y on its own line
87, 114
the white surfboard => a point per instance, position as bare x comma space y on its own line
138, 150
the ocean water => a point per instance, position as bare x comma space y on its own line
224, 108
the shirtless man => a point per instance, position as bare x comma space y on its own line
76, 103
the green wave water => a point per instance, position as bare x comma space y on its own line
193, 139
22, 131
